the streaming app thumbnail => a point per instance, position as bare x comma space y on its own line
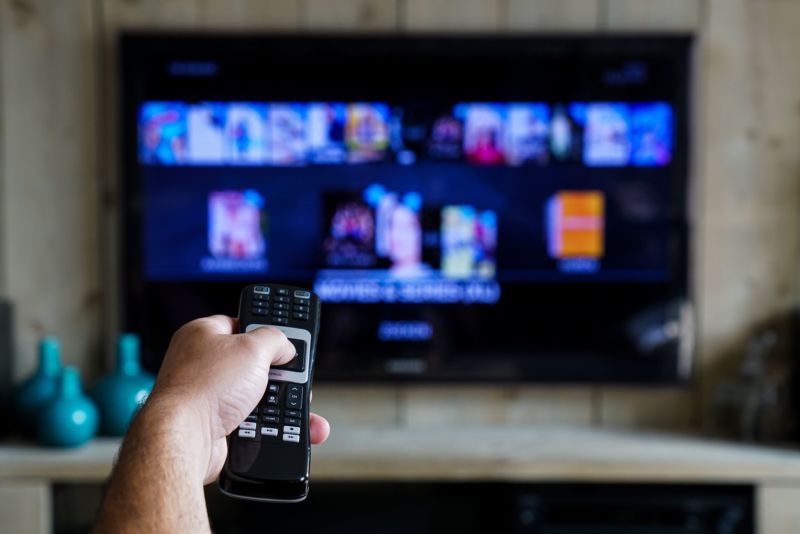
399, 231
287, 134
236, 225
379, 230
246, 134
528, 133
446, 138
162, 133
607, 135
575, 224
468, 241
484, 130
206, 126
350, 239
566, 133
325, 133
651, 126
410, 133
367, 131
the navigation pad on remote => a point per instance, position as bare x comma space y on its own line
298, 363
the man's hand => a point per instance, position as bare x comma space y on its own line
221, 376
210, 380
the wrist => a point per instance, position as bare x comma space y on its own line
157, 483
180, 423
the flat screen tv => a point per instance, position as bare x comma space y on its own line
470, 208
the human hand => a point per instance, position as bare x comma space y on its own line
218, 376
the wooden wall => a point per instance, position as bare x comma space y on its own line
58, 181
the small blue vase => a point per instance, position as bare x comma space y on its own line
70, 419
120, 393
40, 387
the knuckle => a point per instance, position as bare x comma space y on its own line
264, 338
250, 343
181, 333
189, 332
270, 333
193, 325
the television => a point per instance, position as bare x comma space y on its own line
468, 208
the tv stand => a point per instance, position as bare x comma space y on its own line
530, 454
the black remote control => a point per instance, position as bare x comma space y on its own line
269, 454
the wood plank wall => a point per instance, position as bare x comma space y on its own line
59, 183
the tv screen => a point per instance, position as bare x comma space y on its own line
467, 208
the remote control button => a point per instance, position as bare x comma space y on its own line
301, 309
280, 306
280, 313
272, 411
261, 290
251, 417
294, 413
292, 421
281, 299
300, 294
294, 396
291, 429
247, 425
273, 388
282, 291
247, 433
272, 399
281, 320
300, 316
269, 431
291, 437
272, 419
258, 297
259, 311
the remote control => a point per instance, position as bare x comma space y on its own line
269, 454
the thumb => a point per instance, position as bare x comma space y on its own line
273, 343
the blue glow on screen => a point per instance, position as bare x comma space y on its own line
286, 134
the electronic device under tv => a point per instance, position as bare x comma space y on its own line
468, 208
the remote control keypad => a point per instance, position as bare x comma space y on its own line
280, 306
280, 412
276, 422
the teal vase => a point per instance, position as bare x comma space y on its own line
70, 418
40, 387
120, 393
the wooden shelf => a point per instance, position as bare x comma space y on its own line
536, 453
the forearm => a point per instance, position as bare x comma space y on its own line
157, 484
